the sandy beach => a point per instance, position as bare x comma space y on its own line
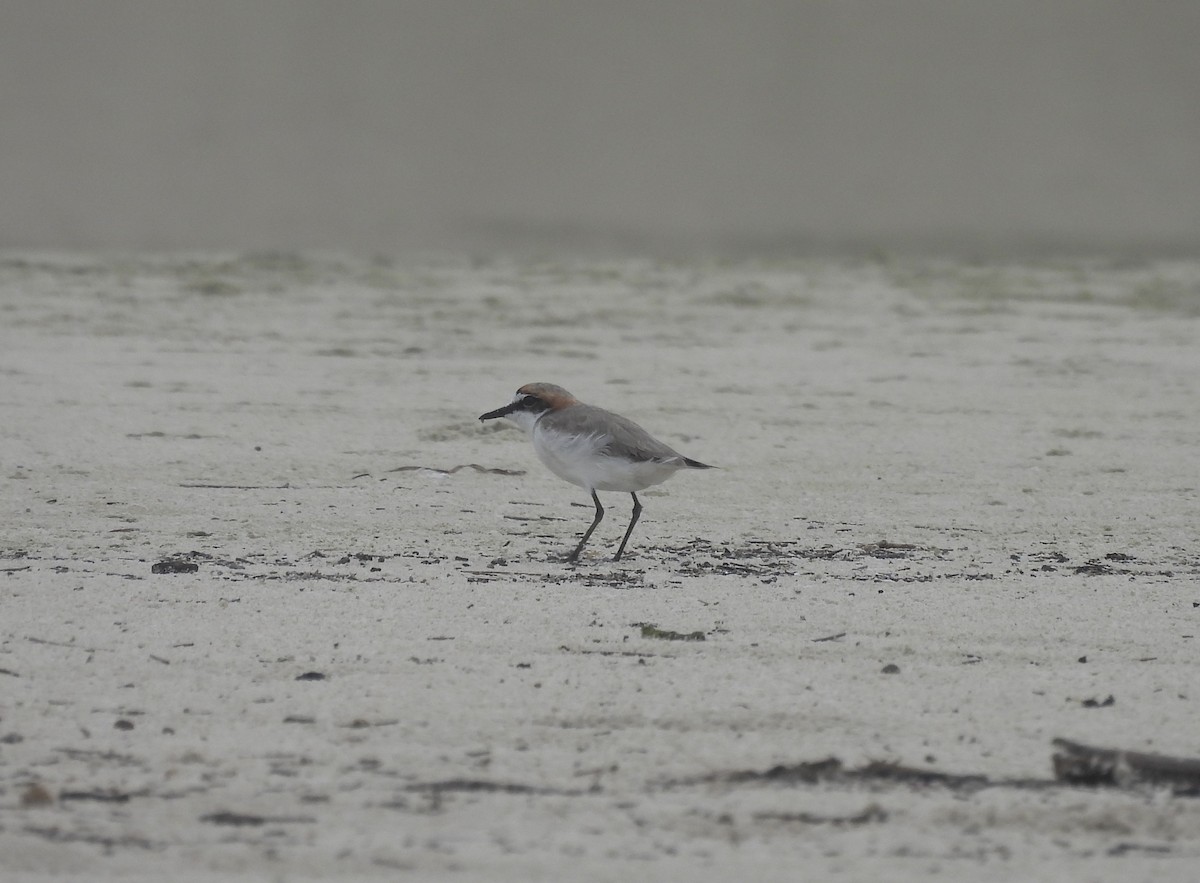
955, 518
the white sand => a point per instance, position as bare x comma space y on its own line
489, 713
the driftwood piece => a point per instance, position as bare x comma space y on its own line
487, 470
1087, 765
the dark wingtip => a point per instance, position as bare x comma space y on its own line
696, 464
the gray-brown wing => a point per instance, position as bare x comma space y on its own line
623, 437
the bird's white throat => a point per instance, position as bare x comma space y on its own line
524, 419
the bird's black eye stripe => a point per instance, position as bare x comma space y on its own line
532, 403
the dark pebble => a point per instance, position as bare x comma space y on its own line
175, 565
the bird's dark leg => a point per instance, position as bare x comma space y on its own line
637, 510
574, 556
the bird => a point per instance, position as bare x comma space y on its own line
592, 448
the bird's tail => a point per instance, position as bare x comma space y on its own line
696, 464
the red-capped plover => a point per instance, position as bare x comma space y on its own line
591, 447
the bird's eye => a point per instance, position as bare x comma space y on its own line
533, 403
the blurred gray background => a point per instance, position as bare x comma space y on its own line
1006, 127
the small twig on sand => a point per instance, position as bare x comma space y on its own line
60, 644
240, 487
